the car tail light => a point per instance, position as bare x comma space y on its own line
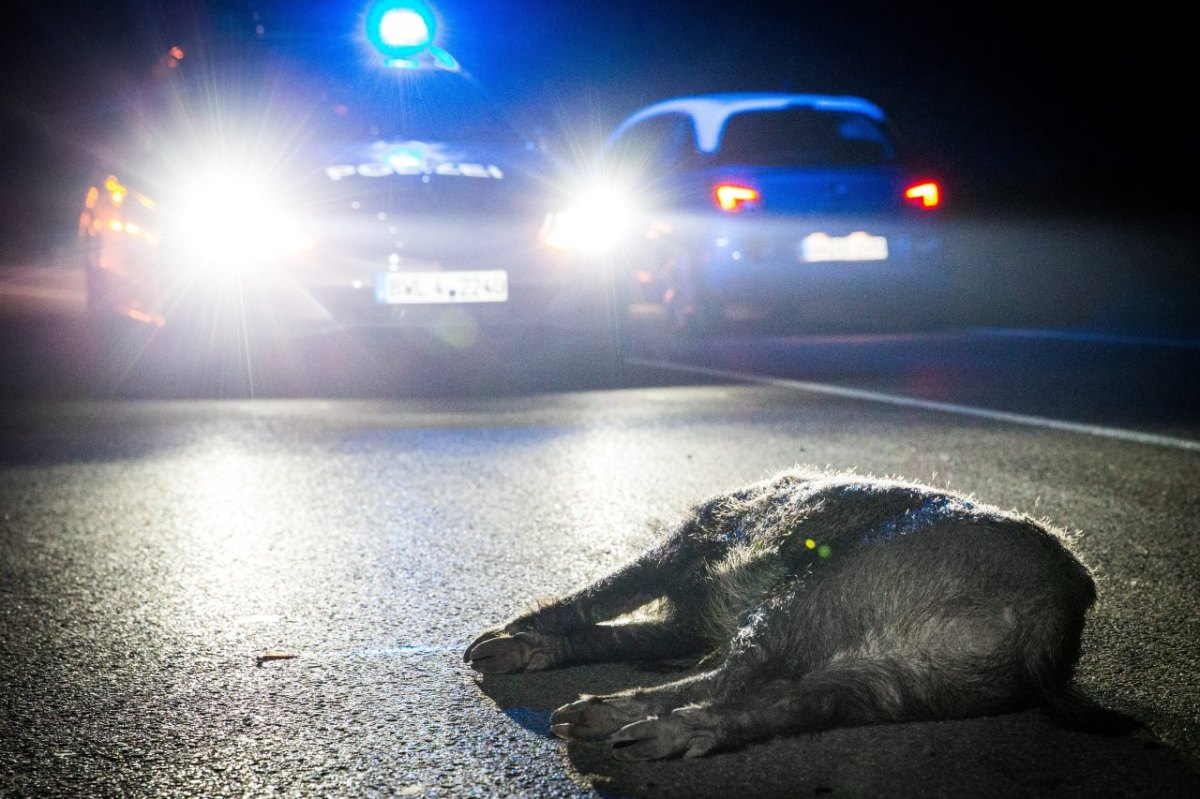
926, 194
732, 197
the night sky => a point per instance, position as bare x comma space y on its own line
1018, 106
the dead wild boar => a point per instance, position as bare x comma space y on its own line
820, 600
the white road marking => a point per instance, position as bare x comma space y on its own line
1089, 337
928, 405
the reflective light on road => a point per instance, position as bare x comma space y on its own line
230, 500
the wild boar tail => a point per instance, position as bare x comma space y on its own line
1070, 707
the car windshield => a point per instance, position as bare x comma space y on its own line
429, 106
804, 137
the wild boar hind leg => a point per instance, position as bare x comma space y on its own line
730, 719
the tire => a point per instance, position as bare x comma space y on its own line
117, 345
600, 364
581, 362
686, 309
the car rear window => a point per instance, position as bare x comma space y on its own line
804, 137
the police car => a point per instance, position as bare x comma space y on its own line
793, 209
258, 195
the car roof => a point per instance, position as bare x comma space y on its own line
709, 112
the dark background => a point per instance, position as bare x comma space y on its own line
1019, 109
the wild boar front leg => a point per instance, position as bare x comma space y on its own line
534, 651
567, 630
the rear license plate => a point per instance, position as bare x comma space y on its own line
857, 246
399, 288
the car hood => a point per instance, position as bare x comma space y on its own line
433, 201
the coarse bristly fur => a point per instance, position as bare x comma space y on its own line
820, 599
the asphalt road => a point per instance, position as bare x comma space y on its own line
152, 553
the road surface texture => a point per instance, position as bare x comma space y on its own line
272, 598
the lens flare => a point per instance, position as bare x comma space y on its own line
233, 222
598, 221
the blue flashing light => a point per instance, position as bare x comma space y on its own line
400, 29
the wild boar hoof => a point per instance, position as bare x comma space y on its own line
684, 732
594, 717
506, 654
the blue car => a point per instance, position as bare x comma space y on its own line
793, 209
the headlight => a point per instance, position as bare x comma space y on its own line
232, 222
594, 225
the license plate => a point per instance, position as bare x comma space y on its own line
399, 288
857, 246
